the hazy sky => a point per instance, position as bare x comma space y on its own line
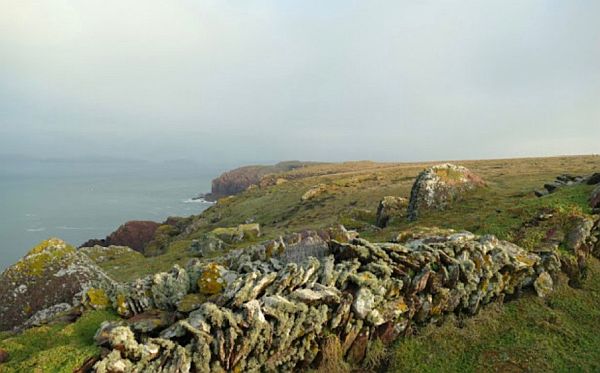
256, 81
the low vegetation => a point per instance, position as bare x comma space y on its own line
53, 348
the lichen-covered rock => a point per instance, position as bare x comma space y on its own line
151, 321
438, 186
543, 284
313, 192
47, 314
212, 280
51, 274
274, 317
96, 298
363, 303
341, 234
169, 288
390, 207
232, 235
190, 302
300, 246
579, 234
208, 245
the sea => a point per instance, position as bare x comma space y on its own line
84, 199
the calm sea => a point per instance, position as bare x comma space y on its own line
77, 201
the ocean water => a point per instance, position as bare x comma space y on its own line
77, 201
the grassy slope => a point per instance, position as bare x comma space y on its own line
353, 191
53, 348
528, 334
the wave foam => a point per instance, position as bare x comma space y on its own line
197, 200
36, 229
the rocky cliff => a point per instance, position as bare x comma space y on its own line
237, 180
133, 234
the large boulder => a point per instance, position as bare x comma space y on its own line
241, 233
134, 234
438, 186
50, 278
390, 207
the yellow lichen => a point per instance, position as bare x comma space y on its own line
190, 302
210, 282
121, 305
97, 298
42, 255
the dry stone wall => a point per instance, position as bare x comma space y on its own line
266, 315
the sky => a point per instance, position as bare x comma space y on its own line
238, 82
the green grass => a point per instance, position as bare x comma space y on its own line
53, 348
354, 191
530, 334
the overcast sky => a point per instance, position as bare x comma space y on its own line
257, 81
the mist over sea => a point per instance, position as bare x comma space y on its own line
79, 200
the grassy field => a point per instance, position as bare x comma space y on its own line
525, 335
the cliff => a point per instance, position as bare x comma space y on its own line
236, 181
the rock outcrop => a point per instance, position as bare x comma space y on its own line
241, 233
261, 314
313, 192
438, 186
593, 179
133, 234
560, 182
390, 207
50, 279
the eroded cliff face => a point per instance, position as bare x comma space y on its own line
133, 234
237, 180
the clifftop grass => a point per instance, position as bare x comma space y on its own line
353, 191
53, 348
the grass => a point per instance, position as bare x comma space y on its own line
354, 190
530, 334
53, 348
